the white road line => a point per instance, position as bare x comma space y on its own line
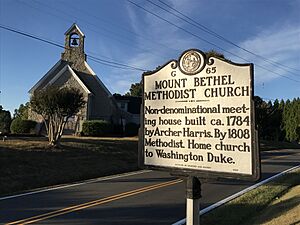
36, 191
217, 204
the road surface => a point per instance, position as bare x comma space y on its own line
138, 198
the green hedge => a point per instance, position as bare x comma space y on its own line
131, 129
19, 126
96, 128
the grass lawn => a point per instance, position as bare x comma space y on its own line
250, 208
284, 210
27, 163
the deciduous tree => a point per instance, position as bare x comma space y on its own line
136, 90
56, 106
22, 111
5, 120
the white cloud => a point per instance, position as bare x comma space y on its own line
163, 40
278, 44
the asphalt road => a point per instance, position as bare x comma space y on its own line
139, 198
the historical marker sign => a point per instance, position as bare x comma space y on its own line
198, 118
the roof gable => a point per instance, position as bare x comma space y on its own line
43, 81
68, 68
56, 72
88, 80
74, 27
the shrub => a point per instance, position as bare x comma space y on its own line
96, 128
19, 126
131, 129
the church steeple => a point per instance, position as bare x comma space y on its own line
74, 48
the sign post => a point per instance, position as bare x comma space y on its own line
193, 195
198, 121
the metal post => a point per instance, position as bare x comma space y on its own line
193, 194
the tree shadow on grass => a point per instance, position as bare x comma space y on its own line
23, 169
97, 141
245, 214
297, 222
278, 209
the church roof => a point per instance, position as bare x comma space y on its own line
96, 78
88, 81
74, 26
49, 75
74, 74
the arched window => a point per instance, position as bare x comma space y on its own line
74, 40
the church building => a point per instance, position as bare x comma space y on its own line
72, 70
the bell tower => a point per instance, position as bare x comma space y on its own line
74, 48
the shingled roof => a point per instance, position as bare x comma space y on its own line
49, 76
92, 82
89, 81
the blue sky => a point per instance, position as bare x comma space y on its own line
117, 30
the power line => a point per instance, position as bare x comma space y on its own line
93, 58
124, 66
211, 32
30, 36
99, 60
116, 63
180, 28
262, 67
107, 64
202, 39
109, 22
123, 39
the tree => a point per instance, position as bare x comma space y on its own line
275, 120
22, 111
5, 120
136, 90
56, 106
214, 53
298, 133
291, 119
261, 115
